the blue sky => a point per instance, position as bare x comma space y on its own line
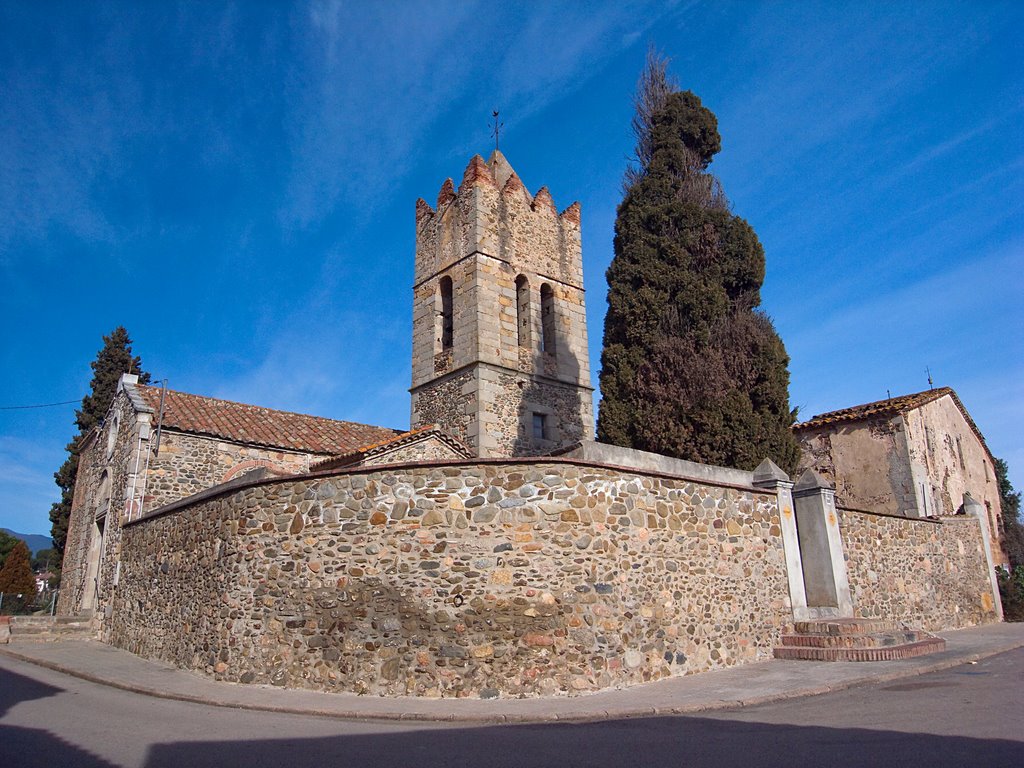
235, 183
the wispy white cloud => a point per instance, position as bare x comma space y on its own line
354, 126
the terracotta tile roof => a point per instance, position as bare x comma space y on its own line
260, 426
890, 407
886, 407
382, 446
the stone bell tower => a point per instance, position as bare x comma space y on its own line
499, 346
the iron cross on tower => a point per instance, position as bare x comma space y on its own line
496, 133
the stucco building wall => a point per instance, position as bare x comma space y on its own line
867, 463
953, 460
916, 462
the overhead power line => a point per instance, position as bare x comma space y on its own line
42, 405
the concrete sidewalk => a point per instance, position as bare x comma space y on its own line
735, 687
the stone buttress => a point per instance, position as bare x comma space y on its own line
499, 320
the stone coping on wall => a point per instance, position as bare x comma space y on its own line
618, 456
259, 478
931, 520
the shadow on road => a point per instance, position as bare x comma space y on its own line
31, 747
680, 741
15, 688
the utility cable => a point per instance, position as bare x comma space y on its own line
43, 405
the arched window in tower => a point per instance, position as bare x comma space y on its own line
547, 319
523, 310
445, 329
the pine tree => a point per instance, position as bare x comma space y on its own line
16, 578
114, 359
690, 368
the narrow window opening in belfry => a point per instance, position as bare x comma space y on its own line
960, 453
547, 319
540, 423
523, 310
447, 324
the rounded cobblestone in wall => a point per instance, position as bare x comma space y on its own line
548, 593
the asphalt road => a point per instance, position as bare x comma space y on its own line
969, 715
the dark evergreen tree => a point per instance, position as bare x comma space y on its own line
690, 368
1013, 530
114, 359
17, 582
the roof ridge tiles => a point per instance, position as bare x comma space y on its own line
256, 424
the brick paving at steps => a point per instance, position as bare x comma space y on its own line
856, 640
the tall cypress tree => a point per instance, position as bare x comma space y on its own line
690, 368
112, 360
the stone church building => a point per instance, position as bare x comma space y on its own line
493, 549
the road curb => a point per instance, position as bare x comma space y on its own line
525, 718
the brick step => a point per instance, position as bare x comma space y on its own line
891, 653
848, 626
874, 640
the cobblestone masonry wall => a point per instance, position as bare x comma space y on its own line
420, 451
188, 464
102, 487
495, 579
185, 465
510, 401
451, 403
930, 574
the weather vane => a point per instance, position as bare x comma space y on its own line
496, 133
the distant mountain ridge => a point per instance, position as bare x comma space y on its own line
35, 541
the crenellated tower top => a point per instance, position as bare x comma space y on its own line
499, 318
492, 212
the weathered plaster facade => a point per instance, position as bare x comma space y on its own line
107, 484
499, 319
914, 456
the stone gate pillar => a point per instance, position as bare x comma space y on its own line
771, 477
821, 547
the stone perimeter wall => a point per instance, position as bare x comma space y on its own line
488, 579
927, 573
